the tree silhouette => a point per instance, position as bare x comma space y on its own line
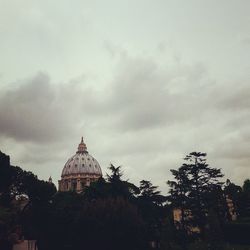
15, 181
150, 203
234, 193
119, 187
245, 199
179, 195
196, 188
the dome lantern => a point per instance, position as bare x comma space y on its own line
82, 148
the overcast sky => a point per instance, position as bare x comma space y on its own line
144, 81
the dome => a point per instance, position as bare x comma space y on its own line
79, 171
82, 163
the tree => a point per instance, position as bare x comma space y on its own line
15, 181
7, 174
179, 191
179, 195
149, 192
119, 187
213, 235
196, 188
98, 189
234, 193
150, 203
115, 222
246, 186
245, 199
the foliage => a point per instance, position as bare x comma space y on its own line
113, 213
240, 197
237, 232
245, 199
72, 222
151, 206
195, 190
118, 186
179, 194
213, 234
17, 182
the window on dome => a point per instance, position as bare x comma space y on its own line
75, 165
89, 165
88, 159
83, 165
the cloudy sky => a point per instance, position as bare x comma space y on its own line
144, 81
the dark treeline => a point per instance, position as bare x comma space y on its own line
113, 213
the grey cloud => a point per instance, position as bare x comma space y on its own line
147, 95
236, 97
37, 110
24, 110
234, 143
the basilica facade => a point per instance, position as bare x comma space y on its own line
79, 171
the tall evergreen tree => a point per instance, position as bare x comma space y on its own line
179, 194
196, 188
149, 192
119, 187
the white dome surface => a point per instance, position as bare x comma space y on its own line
82, 163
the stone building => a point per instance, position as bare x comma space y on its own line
79, 171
